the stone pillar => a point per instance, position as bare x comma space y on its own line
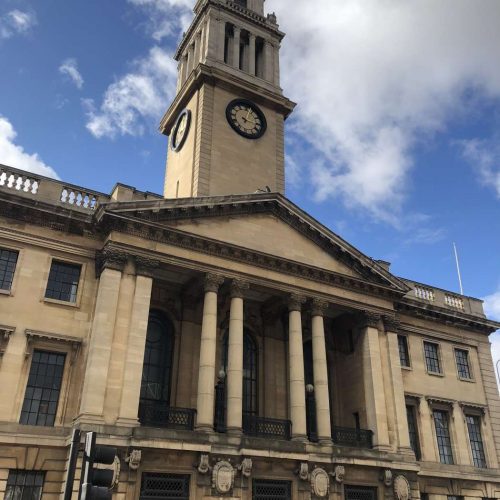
190, 60
206, 374
268, 61
136, 345
427, 434
320, 371
376, 413
396, 389
236, 47
276, 51
296, 368
459, 440
101, 338
197, 49
184, 68
251, 54
235, 359
221, 39
204, 40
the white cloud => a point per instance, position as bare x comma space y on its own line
16, 22
141, 94
484, 155
13, 155
69, 67
166, 17
373, 78
492, 310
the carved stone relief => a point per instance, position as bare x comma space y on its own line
223, 477
339, 473
320, 483
402, 489
134, 459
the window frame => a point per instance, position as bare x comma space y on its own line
81, 280
35, 473
469, 363
479, 416
414, 409
447, 412
439, 358
407, 342
20, 255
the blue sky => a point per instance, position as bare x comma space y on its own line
395, 143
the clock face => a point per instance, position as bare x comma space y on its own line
181, 130
246, 118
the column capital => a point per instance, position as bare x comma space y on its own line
238, 287
295, 302
391, 324
318, 307
251, 36
237, 30
146, 266
370, 319
110, 258
213, 282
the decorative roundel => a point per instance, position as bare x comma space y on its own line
246, 118
181, 130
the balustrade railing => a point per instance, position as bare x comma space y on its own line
454, 301
18, 181
267, 427
77, 198
358, 438
424, 293
159, 415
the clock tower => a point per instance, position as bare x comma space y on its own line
226, 123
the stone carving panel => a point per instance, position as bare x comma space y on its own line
320, 483
223, 477
402, 489
339, 473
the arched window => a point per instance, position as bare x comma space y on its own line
250, 372
156, 371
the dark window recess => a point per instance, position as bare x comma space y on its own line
432, 357
441, 423
360, 493
424, 496
269, 489
24, 485
454, 497
42, 392
357, 422
413, 430
8, 261
462, 358
476, 440
63, 281
404, 354
164, 486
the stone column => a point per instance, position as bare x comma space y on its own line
268, 61
101, 337
206, 374
459, 440
296, 368
276, 52
251, 54
236, 47
197, 49
190, 60
376, 413
427, 434
136, 345
396, 389
235, 359
320, 371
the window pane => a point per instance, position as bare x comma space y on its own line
404, 355
42, 392
24, 485
432, 357
63, 281
443, 436
413, 430
476, 440
462, 358
8, 261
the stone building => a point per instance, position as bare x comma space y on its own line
226, 342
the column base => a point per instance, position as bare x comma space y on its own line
88, 419
407, 451
382, 447
127, 422
300, 439
207, 429
325, 441
235, 432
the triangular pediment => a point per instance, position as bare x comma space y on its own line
266, 224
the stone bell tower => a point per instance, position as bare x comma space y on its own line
226, 123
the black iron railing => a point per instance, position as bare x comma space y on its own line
267, 427
154, 414
358, 438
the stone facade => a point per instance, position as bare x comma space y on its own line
229, 345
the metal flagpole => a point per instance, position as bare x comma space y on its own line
458, 269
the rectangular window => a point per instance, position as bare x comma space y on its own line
413, 430
8, 261
42, 392
157, 486
476, 440
404, 354
270, 489
63, 281
24, 485
441, 423
454, 497
462, 359
432, 357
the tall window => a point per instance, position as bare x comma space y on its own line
42, 392
250, 373
476, 440
413, 430
441, 422
156, 486
404, 354
156, 371
463, 367
24, 485
63, 281
432, 357
8, 261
